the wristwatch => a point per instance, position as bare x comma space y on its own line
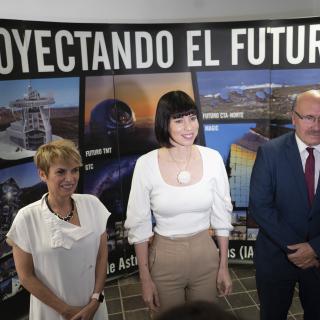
98, 296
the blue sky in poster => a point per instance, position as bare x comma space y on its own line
227, 134
64, 90
26, 175
214, 81
296, 76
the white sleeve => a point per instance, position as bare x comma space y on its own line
139, 221
101, 215
19, 233
222, 207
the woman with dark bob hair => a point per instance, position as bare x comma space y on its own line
60, 242
184, 189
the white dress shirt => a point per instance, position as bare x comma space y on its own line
304, 155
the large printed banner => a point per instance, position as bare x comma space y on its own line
98, 85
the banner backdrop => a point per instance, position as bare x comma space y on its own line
98, 85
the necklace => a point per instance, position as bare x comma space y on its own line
68, 216
183, 175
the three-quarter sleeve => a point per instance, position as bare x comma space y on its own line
139, 221
220, 218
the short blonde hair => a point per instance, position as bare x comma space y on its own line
62, 149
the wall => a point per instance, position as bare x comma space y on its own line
156, 10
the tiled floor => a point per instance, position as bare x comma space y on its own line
124, 297
124, 300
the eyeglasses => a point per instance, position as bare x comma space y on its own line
308, 118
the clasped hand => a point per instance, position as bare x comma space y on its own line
303, 256
82, 313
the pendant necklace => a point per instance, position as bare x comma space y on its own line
183, 175
67, 217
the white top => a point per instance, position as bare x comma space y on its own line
178, 210
304, 155
64, 255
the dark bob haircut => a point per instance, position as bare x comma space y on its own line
173, 104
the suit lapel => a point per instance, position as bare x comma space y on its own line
294, 161
316, 199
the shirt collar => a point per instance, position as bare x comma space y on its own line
302, 146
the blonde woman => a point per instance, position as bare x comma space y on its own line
60, 242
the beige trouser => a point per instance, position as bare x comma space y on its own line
184, 269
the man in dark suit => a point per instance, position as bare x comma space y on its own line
285, 203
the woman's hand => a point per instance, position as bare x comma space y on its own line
25, 269
88, 312
149, 290
70, 312
150, 295
224, 283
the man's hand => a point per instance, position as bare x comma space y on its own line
304, 256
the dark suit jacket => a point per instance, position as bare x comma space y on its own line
279, 204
